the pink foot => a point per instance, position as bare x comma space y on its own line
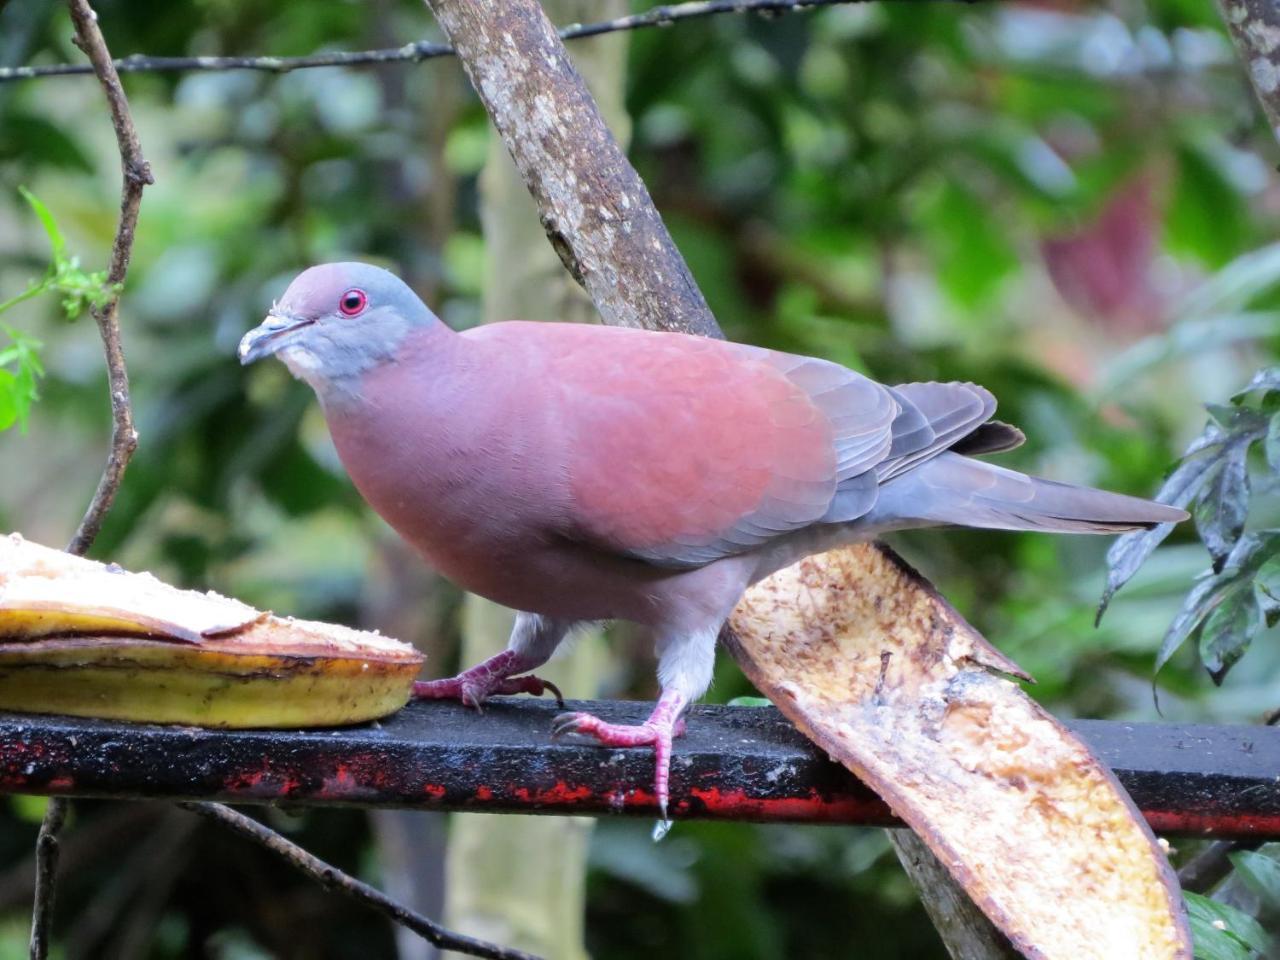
494, 676
663, 725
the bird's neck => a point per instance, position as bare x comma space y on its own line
423, 353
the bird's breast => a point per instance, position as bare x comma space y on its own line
464, 467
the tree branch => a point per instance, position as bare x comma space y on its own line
335, 881
137, 175
965, 929
424, 50
593, 205
1255, 29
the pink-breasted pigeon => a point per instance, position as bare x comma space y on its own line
580, 473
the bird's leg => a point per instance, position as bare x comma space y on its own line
685, 665
533, 639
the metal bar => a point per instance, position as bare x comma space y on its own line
735, 763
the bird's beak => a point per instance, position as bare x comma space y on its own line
268, 336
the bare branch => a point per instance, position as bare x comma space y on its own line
335, 881
1255, 29
425, 50
47, 850
136, 174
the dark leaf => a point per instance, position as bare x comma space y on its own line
1273, 444
1204, 596
1267, 586
56, 241
1131, 550
1267, 379
1228, 630
1222, 505
1216, 589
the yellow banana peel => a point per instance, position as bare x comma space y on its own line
92, 640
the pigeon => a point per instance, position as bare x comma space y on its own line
582, 473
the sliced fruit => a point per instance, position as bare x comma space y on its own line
81, 638
861, 653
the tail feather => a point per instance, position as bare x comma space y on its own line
954, 490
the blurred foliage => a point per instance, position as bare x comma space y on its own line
1067, 202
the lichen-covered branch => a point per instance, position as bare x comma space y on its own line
594, 207
424, 50
1255, 28
965, 929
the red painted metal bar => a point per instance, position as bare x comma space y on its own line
736, 763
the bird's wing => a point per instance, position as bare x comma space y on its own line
682, 451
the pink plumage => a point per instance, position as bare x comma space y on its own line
579, 472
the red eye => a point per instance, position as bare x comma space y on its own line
353, 302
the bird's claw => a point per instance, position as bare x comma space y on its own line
472, 691
659, 730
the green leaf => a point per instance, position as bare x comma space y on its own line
8, 399
971, 247
1205, 217
749, 702
20, 370
1260, 873
1221, 932
56, 241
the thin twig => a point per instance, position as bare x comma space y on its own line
334, 880
136, 174
417, 52
46, 876
124, 439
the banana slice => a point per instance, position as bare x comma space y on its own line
861, 653
81, 638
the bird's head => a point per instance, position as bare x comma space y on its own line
337, 321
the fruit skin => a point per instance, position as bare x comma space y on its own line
871, 664
126, 678
82, 638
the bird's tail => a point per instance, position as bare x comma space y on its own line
955, 490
